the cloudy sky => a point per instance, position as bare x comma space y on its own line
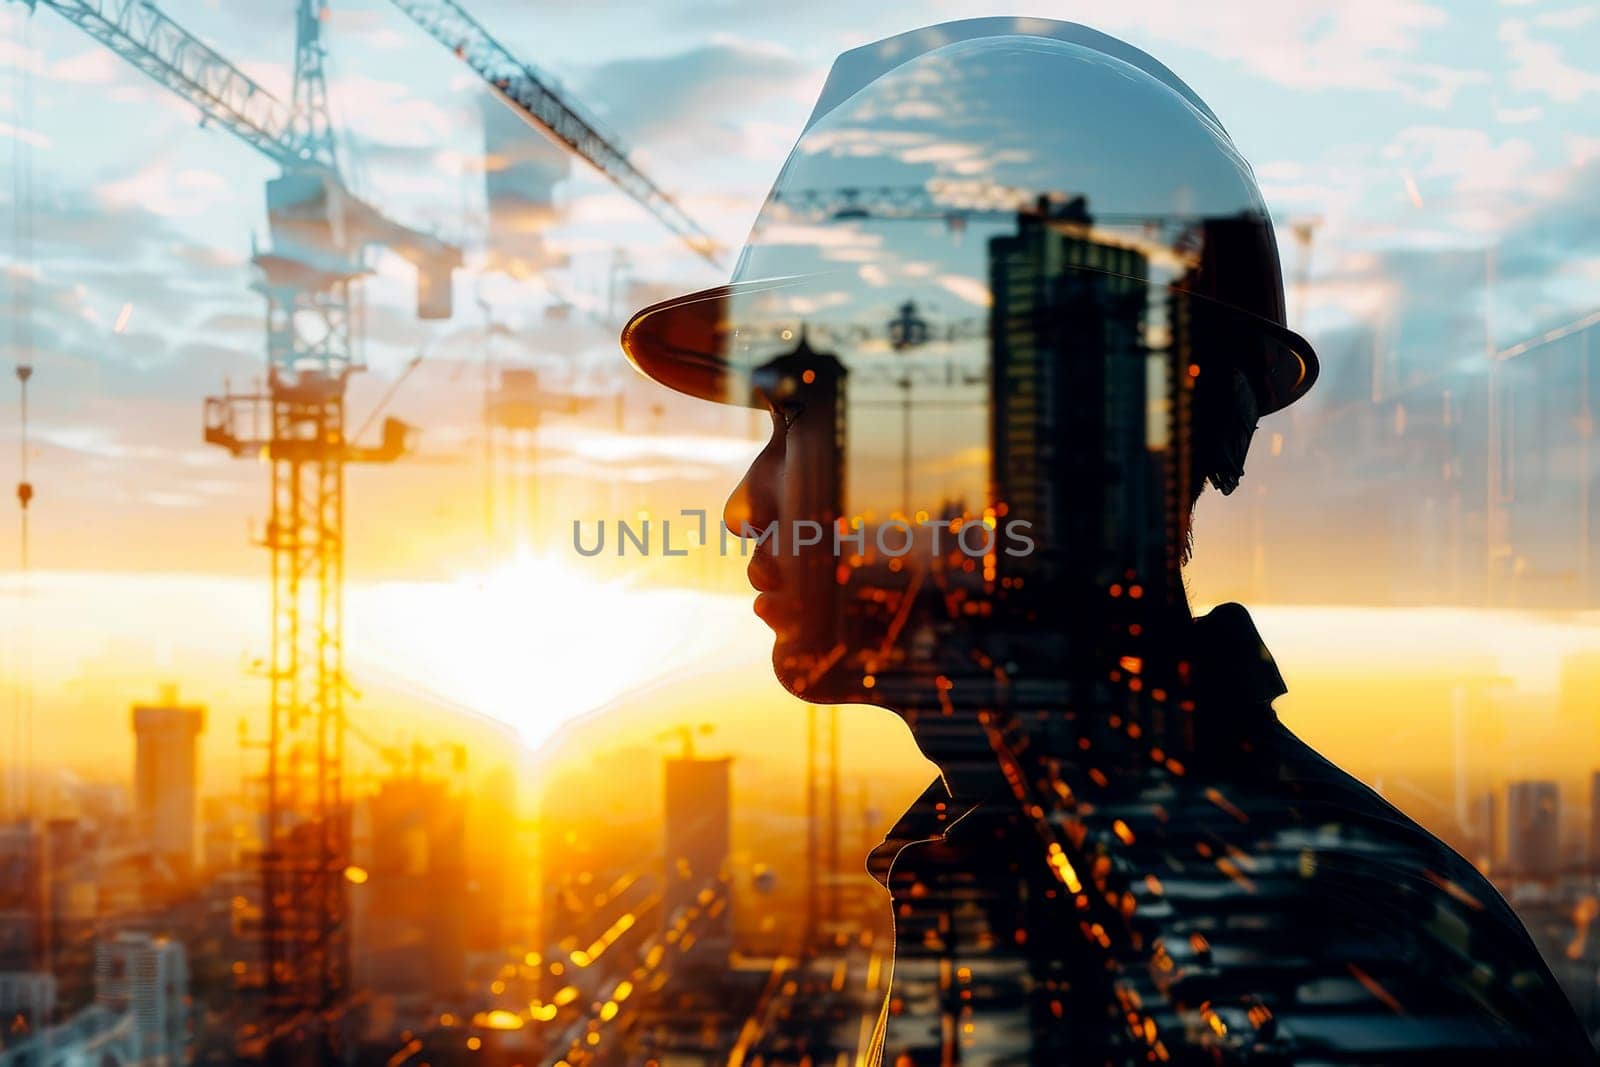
1429, 139
1422, 135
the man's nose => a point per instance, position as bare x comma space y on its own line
753, 506
736, 515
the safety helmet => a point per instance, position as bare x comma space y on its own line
951, 136
1024, 294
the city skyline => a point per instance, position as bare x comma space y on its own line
460, 705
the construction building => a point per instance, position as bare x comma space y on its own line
166, 778
698, 822
1533, 829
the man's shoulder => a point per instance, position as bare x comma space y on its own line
1437, 910
1338, 813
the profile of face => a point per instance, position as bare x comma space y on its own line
790, 574
982, 326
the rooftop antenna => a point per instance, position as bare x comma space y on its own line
22, 342
24, 487
21, 725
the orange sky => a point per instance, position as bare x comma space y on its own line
506, 659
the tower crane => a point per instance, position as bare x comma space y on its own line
959, 202
956, 203
319, 233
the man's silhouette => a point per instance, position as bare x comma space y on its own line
1013, 302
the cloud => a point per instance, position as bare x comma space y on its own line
1561, 234
941, 152
1570, 19
1370, 45
24, 136
865, 142
701, 98
166, 189
1469, 161
16, 55
389, 112
1539, 67
1428, 299
1517, 116
972, 290
376, 29
94, 66
94, 259
1303, 44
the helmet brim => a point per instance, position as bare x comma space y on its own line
683, 344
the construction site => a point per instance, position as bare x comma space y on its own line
329, 914
354, 760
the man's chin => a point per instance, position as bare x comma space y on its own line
788, 668
796, 672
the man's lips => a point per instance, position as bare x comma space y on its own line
763, 573
770, 606
773, 610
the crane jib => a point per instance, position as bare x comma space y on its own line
533, 96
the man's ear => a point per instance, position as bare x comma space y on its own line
1236, 426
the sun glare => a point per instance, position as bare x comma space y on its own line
537, 644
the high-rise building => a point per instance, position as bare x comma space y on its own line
166, 776
1577, 724
1069, 393
411, 927
1533, 829
491, 857
1485, 824
599, 825
28, 996
698, 841
1594, 822
23, 914
75, 884
147, 977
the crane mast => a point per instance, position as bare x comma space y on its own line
310, 120
319, 232
306, 847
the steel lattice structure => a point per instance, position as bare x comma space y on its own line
320, 231
138, 32
540, 101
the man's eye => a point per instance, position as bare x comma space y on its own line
783, 411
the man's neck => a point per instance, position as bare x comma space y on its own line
962, 746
